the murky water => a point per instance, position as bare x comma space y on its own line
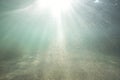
83, 44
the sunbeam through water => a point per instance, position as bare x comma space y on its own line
59, 40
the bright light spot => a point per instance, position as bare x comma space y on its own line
96, 1
56, 6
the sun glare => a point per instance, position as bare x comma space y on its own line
55, 6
